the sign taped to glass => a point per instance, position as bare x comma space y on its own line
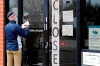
94, 37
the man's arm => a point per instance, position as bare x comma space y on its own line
23, 32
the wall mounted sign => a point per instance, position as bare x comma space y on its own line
94, 37
55, 32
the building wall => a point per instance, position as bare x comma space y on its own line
1, 32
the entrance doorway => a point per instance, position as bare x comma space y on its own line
34, 45
36, 13
68, 43
34, 50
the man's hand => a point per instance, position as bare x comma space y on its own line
25, 25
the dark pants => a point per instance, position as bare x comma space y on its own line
32, 50
32, 55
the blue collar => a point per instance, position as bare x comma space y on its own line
12, 21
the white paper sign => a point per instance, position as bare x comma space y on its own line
94, 37
67, 30
25, 24
68, 16
91, 58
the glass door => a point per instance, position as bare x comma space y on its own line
35, 52
67, 32
91, 30
35, 47
91, 18
68, 41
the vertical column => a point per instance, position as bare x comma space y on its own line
55, 32
1, 32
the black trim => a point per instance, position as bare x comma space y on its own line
82, 24
6, 4
80, 29
78, 35
46, 33
6, 10
20, 12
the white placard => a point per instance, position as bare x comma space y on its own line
91, 58
55, 32
67, 30
94, 37
68, 16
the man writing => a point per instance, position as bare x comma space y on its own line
12, 30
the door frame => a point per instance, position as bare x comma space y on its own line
78, 34
80, 30
46, 27
80, 24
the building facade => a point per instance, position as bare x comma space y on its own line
2, 40
82, 40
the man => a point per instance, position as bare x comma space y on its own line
12, 30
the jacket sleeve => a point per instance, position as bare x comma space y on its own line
22, 32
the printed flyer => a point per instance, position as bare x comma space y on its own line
94, 37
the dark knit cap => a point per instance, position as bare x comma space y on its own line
10, 13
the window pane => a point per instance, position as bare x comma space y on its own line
13, 6
34, 11
68, 44
91, 18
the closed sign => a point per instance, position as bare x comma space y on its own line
55, 32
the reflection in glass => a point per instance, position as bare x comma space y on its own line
13, 6
92, 14
34, 9
91, 17
33, 12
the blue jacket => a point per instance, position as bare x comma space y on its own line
12, 30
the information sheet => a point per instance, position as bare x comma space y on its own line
94, 37
67, 30
68, 16
91, 58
